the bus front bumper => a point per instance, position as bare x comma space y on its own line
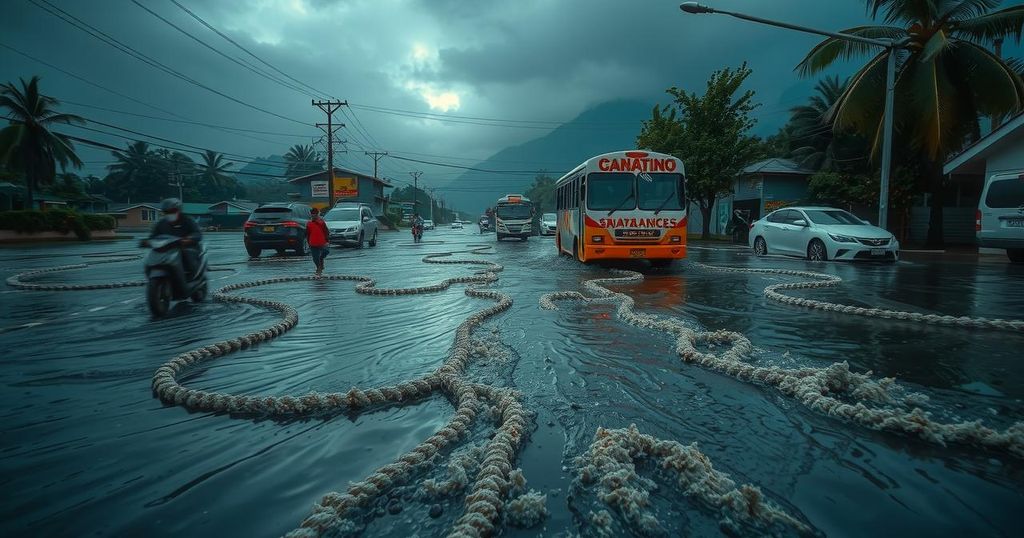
625, 252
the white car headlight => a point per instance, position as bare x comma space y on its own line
842, 238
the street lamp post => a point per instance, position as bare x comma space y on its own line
890, 85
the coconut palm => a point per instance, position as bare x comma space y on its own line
28, 144
815, 144
302, 160
214, 175
946, 79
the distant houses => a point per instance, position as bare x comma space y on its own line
223, 214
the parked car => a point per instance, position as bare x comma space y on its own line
428, 224
457, 225
280, 226
548, 224
821, 234
352, 223
1000, 216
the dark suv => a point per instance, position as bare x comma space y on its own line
280, 226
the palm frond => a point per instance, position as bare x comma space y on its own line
996, 87
999, 24
934, 46
967, 9
831, 49
903, 10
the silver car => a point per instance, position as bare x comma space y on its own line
352, 224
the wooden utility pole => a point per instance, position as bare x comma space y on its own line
329, 107
377, 155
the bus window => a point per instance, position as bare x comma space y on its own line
611, 191
663, 191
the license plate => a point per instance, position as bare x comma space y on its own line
268, 228
1015, 223
637, 252
878, 252
636, 233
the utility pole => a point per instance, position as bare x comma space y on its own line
175, 181
329, 108
415, 190
377, 155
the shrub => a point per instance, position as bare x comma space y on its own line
55, 220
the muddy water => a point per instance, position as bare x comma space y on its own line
86, 449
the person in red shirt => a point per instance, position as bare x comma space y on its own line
318, 237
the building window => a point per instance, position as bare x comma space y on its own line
148, 215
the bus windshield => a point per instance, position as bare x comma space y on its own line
611, 191
660, 192
515, 211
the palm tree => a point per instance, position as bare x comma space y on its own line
27, 144
815, 144
302, 160
213, 175
946, 79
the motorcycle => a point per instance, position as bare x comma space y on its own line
166, 279
417, 233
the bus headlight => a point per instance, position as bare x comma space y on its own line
675, 239
597, 239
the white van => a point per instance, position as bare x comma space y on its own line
999, 221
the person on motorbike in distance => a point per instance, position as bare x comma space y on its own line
178, 224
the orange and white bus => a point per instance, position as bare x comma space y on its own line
622, 205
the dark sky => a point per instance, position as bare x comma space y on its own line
522, 60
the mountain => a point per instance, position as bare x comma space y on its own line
609, 126
262, 170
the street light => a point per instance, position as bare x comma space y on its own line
890, 85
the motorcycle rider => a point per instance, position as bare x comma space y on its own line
178, 224
417, 226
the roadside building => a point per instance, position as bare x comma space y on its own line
10, 196
761, 188
230, 214
1002, 150
135, 217
93, 203
349, 186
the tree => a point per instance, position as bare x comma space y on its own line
302, 160
28, 144
142, 174
709, 133
542, 193
214, 182
816, 143
946, 80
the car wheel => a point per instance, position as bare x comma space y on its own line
254, 252
816, 251
158, 295
280, 251
303, 248
359, 244
1016, 255
760, 247
373, 240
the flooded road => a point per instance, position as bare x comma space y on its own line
88, 449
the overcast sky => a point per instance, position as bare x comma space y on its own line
543, 60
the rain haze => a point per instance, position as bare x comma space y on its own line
790, 312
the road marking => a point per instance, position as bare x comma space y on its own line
98, 308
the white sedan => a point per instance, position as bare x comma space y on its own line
457, 225
821, 234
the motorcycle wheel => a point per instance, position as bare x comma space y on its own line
158, 296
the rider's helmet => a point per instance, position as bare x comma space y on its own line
170, 205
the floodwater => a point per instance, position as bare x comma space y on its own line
87, 450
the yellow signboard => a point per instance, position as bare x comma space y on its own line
346, 187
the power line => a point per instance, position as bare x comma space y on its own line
113, 42
247, 51
218, 52
472, 168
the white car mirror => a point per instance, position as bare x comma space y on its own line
800, 222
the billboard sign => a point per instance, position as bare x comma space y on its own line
319, 189
346, 187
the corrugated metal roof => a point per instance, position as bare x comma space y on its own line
777, 165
